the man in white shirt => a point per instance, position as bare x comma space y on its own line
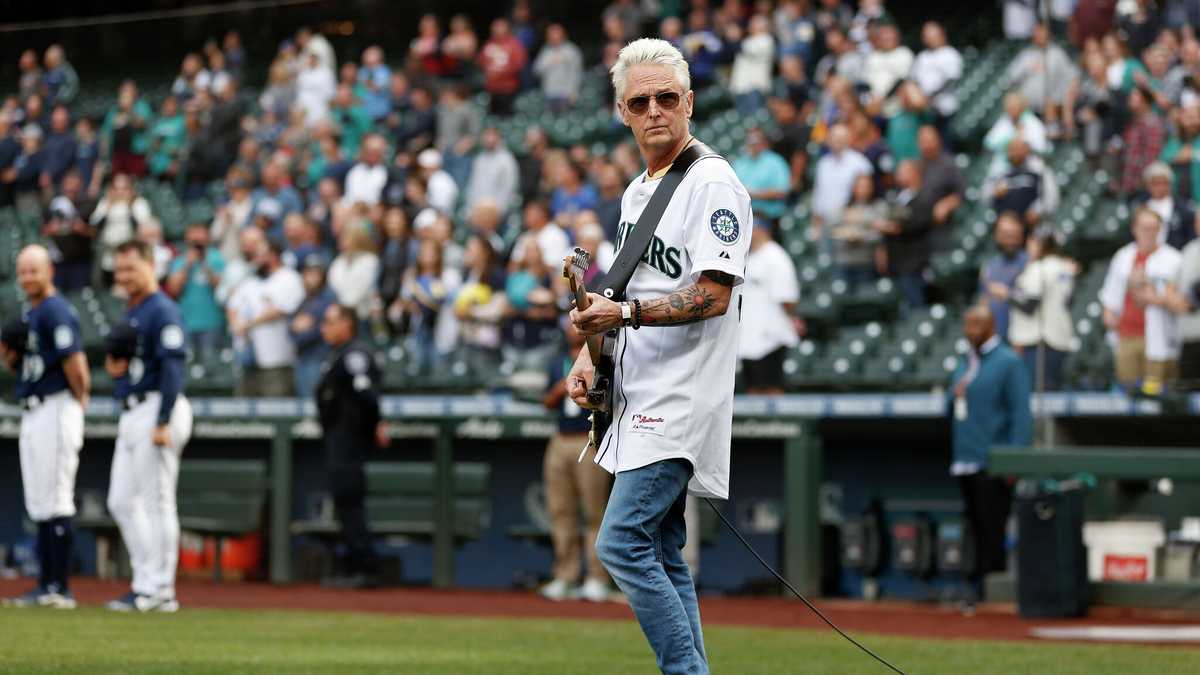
889, 62
495, 175
1138, 288
1040, 72
258, 316
366, 180
672, 407
835, 175
441, 192
769, 324
937, 68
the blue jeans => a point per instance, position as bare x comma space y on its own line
641, 545
1054, 361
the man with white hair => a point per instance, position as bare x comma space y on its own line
835, 175
672, 407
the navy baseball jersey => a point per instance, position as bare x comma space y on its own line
157, 364
53, 336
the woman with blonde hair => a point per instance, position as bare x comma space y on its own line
355, 270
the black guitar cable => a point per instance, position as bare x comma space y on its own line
792, 588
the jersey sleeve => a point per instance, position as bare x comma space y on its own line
60, 330
717, 231
171, 352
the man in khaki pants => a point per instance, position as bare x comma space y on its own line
570, 482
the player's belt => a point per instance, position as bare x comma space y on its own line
30, 403
133, 400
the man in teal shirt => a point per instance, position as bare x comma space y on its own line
192, 279
989, 403
765, 174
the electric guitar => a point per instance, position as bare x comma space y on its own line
600, 349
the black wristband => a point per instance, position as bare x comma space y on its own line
637, 314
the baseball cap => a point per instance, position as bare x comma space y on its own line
426, 218
429, 158
121, 342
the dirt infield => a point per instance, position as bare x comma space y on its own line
997, 622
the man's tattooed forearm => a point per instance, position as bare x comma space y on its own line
688, 305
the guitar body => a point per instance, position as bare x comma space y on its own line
601, 349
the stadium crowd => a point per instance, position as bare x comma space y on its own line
381, 182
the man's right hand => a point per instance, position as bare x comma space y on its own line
579, 380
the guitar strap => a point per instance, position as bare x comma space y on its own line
613, 285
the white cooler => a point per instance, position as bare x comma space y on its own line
1123, 550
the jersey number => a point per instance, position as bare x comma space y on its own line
33, 368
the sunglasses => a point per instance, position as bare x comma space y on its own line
638, 105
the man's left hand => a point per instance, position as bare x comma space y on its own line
603, 314
162, 436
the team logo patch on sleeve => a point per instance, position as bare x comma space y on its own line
63, 337
724, 226
172, 337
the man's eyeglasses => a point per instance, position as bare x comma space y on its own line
638, 105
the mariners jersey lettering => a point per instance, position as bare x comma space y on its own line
159, 325
53, 336
673, 386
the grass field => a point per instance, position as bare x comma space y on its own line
90, 640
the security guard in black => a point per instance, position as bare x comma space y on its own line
348, 408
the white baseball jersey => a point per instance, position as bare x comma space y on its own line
673, 389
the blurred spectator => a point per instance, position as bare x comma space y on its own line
1144, 138
58, 150
70, 235
611, 188
576, 488
943, 179
117, 217
315, 87
908, 232
440, 189
494, 174
936, 70
424, 293
1026, 188
841, 59
219, 77
1017, 120
770, 326
551, 241
60, 80
502, 59
479, 305
1019, 18
31, 80
150, 232
791, 141
999, 274
1182, 152
240, 267
867, 140
532, 162
990, 404
1091, 20
354, 274
1141, 278
192, 280
274, 198
350, 118
889, 62
233, 215
1090, 106
750, 81
796, 31
1038, 73
523, 27
834, 180
531, 329
167, 135
902, 124
702, 49
258, 314
26, 171
765, 175
280, 92
573, 194
365, 182
395, 255
458, 127
1041, 315
1178, 216
425, 50
10, 149
313, 43
375, 78
1141, 26
460, 48
87, 157
418, 127
855, 237
870, 13
192, 79
792, 82
1186, 302
559, 67
300, 238
124, 132
833, 14
235, 54
304, 328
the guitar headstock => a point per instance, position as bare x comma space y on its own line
575, 265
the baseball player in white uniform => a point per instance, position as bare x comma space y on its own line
53, 391
673, 385
146, 359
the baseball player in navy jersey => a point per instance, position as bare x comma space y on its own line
45, 349
146, 360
